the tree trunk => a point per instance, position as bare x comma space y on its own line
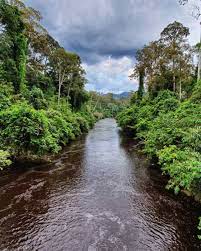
180, 89
59, 93
174, 78
68, 94
61, 80
180, 83
141, 85
75, 100
199, 65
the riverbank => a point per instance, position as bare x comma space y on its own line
169, 132
35, 135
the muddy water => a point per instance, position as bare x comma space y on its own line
98, 195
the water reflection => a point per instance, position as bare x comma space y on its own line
98, 195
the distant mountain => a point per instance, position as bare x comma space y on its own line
121, 95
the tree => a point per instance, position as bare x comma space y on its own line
174, 38
196, 13
141, 85
151, 64
167, 62
64, 64
15, 61
74, 90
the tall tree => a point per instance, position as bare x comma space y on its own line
196, 13
150, 62
140, 92
14, 28
65, 64
166, 63
174, 37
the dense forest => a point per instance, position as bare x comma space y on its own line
165, 112
107, 105
43, 103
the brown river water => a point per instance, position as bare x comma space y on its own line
99, 194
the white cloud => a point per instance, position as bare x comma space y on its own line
111, 75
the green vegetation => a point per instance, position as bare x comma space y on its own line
43, 104
106, 105
167, 117
4, 159
199, 228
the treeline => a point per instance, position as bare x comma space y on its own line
106, 105
43, 104
165, 112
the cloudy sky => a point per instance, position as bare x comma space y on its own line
107, 33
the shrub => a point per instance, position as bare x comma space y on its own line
36, 98
60, 129
145, 118
4, 159
183, 166
196, 96
25, 130
172, 132
199, 228
83, 123
163, 132
128, 118
6, 91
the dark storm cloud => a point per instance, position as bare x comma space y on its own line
99, 29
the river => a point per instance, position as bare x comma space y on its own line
99, 194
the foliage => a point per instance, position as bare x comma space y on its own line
127, 118
199, 228
15, 61
6, 92
183, 166
166, 63
196, 95
170, 131
61, 129
67, 68
37, 99
35, 72
106, 105
26, 130
4, 159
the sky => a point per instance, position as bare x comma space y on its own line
107, 33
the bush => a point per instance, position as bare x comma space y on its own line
25, 130
4, 159
6, 92
199, 228
144, 120
196, 96
61, 129
36, 98
128, 118
162, 132
183, 166
170, 131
